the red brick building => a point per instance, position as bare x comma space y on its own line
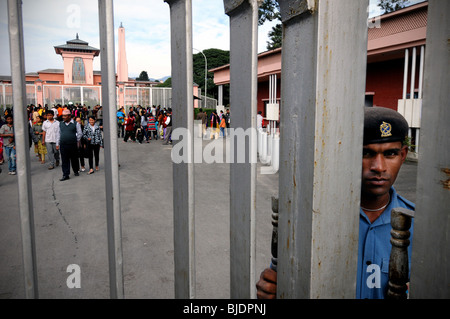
395, 54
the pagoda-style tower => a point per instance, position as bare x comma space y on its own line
78, 59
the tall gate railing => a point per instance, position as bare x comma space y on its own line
323, 76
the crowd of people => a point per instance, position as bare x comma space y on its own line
65, 135
141, 124
217, 123
69, 134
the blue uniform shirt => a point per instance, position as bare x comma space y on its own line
375, 248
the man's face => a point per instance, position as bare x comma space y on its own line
66, 118
9, 120
381, 164
50, 117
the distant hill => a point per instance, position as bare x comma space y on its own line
161, 79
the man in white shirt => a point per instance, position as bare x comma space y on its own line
50, 137
259, 120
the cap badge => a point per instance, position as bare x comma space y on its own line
386, 129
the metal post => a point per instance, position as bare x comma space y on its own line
398, 261
183, 173
430, 273
243, 92
112, 182
274, 246
323, 85
15, 28
21, 145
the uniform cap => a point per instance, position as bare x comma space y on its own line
384, 125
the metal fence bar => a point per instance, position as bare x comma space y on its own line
15, 26
112, 181
243, 96
430, 273
183, 172
323, 85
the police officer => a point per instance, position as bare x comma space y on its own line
384, 152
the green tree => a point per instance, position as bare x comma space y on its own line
276, 37
143, 76
214, 58
270, 11
166, 84
392, 5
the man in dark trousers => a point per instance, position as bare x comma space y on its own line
68, 143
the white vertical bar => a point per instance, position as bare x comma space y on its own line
413, 73
405, 75
183, 122
417, 142
270, 88
43, 95
137, 96
243, 93
21, 138
164, 96
220, 94
413, 82
321, 147
151, 96
112, 183
422, 64
430, 273
4, 94
274, 88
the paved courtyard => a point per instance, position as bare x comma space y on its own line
70, 225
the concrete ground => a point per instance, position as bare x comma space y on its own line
70, 226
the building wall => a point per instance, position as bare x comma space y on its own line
263, 95
385, 79
54, 77
88, 58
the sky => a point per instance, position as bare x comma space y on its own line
48, 23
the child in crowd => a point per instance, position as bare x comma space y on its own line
152, 127
140, 134
39, 147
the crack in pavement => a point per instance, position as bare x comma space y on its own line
63, 217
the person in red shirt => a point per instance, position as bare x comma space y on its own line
129, 128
